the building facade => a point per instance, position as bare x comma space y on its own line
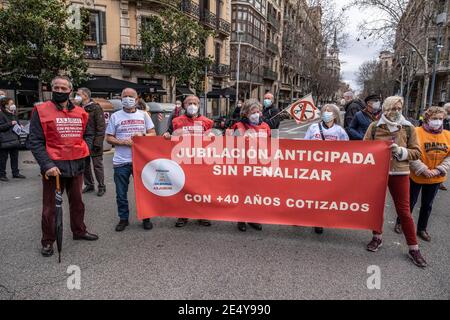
428, 27
280, 44
119, 54
113, 48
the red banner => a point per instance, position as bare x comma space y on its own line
290, 182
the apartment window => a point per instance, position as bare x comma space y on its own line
96, 27
217, 50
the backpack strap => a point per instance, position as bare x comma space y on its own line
321, 131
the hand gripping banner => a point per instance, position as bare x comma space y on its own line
306, 183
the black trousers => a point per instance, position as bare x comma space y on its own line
98, 171
429, 192
14, 155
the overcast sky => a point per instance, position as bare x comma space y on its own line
356, 52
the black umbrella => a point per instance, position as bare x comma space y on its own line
58, 218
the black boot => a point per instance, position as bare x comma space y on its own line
242, 226
122, 225
147, 224
255, 226
101, 191
47, 251
88, 189
318, 230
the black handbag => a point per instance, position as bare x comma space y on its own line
9, 140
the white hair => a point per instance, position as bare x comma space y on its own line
130, 89
349, 94
62, 78
447, 107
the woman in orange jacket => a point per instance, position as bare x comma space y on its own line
431, 169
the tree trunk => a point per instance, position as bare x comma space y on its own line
426, 78
426, 84
40, 92
172, 89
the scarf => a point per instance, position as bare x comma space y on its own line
372, 116
427, 128
394, 126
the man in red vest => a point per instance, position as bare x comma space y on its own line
57, 141
190, 123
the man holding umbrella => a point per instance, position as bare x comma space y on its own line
57, 141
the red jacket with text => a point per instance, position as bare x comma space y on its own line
184, 125
262, 130
64, 130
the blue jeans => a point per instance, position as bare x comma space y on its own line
122, 180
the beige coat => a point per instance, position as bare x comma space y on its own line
410, 149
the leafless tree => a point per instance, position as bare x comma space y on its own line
374, 80
395, 22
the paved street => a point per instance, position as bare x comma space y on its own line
219, 262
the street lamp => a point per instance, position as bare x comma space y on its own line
440, 21
239, 34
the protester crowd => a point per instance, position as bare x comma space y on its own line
419, 164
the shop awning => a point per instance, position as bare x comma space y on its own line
214, 94
112, 85
24, 84
229, 93
184, 91
157, 89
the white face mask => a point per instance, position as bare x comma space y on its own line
393, 116
78, 99
254, 118
435, 124
376, 106
128, 102
12, 108
192, 109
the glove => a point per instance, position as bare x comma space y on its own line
395, 149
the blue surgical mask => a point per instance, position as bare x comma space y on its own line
267, 103
327, 116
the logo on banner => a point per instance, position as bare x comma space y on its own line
163, 177
304, 111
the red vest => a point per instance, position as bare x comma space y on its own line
63, 131
192, 126
262, 130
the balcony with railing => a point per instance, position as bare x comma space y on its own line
271, 19
248, 77
224, 27
130, 54
219, 70
92, 52
270, 74
272, 47
191, 8
209, 19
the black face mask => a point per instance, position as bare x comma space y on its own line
60, 97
